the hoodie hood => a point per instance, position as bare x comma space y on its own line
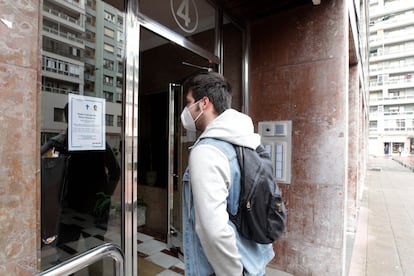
234, 127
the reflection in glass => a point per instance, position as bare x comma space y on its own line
233, 60
193, 19
83, 50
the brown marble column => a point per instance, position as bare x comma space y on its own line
299, 72
19, 130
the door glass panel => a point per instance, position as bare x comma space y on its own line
162, 145
81, 126
194, 19
233, 60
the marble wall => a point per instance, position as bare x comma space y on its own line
19, 125
299, 72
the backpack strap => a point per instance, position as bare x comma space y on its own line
231, 152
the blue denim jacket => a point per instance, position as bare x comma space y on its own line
254, 256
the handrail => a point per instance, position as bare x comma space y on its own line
86, 259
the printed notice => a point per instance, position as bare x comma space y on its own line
86, 130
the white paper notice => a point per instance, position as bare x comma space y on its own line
86, 130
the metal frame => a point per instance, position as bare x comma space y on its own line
130, 148
87, 258
168, 34
126, 259
246, 71
136, 20
171, 152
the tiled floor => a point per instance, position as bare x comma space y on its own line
158, 257
154, 257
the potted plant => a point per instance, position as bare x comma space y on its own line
141, 211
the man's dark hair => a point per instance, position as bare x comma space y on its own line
213, 86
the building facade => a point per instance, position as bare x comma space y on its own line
298, 64
82, 50
391, 93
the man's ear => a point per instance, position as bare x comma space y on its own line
205, 101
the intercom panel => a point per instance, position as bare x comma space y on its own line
277, 140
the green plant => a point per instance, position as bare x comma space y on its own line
141, 202
102, 205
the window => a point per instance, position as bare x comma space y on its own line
109, 96
90, 20
120, 38
396, 147
58, 114
90, 36
108, 48
394, 125
109, 33
108, 80
400, 124
392, 110
379, 79
120, 67
118, 82
108, 64
373, 125
109, 17
89, 52
89, 69
89, 86
119, 121
393, 94
119, 97
109, 120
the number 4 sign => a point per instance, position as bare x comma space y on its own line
185, 14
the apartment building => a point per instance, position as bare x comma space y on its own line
391, 93
82, 49
302, 62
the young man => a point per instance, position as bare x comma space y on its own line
212, 245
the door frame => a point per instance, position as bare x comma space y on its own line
134, 21
130, 156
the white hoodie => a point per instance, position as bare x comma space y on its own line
210, 179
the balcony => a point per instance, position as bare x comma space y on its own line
390, 54
68, 37
377, 41
58, 90
58, 16
391, 69
390, 7
393, 100
391, 21
66, 70
77, 6
399, 83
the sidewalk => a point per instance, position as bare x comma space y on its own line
406, 161
384, 242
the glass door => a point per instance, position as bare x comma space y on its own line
176, 167
162, 149
81, 135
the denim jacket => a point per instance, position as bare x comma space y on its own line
254, 256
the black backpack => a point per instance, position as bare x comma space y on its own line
261, 215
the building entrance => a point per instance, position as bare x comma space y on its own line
140, 121
162, 145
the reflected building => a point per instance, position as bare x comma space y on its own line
391, 93
83, 44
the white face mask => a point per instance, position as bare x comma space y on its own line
187, 119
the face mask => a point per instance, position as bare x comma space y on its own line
187, 119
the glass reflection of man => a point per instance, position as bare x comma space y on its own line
92, 179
